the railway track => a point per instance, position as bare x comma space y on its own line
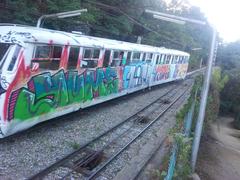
94, 156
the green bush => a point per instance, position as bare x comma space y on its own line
183, 168
218, 82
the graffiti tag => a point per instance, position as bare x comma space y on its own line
12, 37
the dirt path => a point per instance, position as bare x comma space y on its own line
219, 156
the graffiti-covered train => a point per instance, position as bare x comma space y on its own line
46, 73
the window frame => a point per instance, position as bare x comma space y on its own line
180, 59
149, 57
137, 59
91, 58
16, 52
163, 58
117, 59
50, 57
158, 58
129, 57
175, 59
78, 56
168, 61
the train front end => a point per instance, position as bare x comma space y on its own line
11, 62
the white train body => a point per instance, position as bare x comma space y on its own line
46, 73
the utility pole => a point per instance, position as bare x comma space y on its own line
203, 102
207, 78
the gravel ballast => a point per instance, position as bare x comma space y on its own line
28, 152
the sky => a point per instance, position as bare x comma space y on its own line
224, 15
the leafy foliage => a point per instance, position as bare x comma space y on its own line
218, 82
183, 168
117, 19
229, 59
184, 143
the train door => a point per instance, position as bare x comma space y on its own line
10, 58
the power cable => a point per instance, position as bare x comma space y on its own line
132, 19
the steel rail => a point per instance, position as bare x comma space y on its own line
114, 139
134, 139
55, 165
150, 158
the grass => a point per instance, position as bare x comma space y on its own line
74, 145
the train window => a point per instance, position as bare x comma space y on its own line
55, 59
106, 58
185, 59
180, 60
149, 57
73, 58
3, 49
129, 54
163, 59
179, 57
158, 59
48, 57
168, 59
117, 58
14, 58
136, 56
115, 54
90, 58
42, 52
57, 52
175, 60
87, 53
144, 57
96, 53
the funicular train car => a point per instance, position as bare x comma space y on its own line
46, 73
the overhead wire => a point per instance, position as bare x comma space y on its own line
132, 19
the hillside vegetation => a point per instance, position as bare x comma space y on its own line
229, 59
118, 19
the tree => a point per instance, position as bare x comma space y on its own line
229, 59
117, 19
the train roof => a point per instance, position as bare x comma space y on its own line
20, 34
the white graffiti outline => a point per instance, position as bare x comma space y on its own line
12, 36
4, 82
